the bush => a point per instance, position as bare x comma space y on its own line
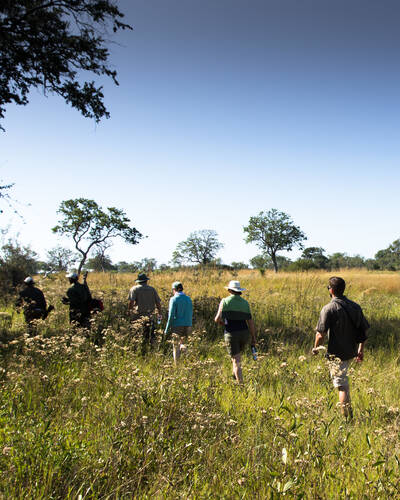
16, 263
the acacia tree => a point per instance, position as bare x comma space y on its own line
200, 247
50, 44
273, 231
91, 227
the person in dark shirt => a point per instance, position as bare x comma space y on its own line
343, 321
78, 298
32, 300
234, 313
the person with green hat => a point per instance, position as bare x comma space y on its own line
180, 315
234, 314
143, 300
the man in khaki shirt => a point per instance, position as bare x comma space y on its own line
143, 300
343, 322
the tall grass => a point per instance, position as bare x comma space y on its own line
86, 421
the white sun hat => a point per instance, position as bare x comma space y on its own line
235, 286
71, 275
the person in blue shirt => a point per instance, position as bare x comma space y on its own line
179, 318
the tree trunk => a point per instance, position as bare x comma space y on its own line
81, 263
273, 257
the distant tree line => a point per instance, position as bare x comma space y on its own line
18, 261
93, 229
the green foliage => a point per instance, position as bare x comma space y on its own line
60, 259
50, 45
316, 256
4, 191
100, 263
342, 260
389, 258
273, 231
126, 267
16, 263
147, 265
90, 226
201, 247
239, 265
264, 261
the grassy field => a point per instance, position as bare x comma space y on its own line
86, 421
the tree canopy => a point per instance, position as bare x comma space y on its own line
273, 231
16, 263
200, 247
389, 258
90, 226
52, 45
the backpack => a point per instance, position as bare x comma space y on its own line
96, 305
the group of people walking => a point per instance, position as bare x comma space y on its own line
32, 300
341, 321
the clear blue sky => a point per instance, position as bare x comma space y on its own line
226, 108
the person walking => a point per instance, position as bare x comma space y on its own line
33, 302
180, 313
234, 313
344, 323
78, 298
143, 301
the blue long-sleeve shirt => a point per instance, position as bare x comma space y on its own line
180, 311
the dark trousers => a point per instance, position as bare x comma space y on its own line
149, 332
30, 316
148, 328
79, 317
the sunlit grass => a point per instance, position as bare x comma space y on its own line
83, 421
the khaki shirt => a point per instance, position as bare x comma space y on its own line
335, 321
145, 297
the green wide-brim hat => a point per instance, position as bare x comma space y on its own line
142, 278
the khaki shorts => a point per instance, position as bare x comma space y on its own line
338, 371
182, 331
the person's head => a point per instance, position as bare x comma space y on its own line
177, 286
73, 277
142, 279
29, 281
336, 286
234, 288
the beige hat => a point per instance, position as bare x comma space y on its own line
235, 286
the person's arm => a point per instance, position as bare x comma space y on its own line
171, 312
218, 318
360, 354
132, 300
322, 328
73, 297
43, 301
319, 340
158, 303
250, 324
